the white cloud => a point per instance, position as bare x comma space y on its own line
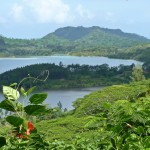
84, 13
48, 10
17, 12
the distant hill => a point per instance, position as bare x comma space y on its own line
77, 33
139, 52
73, 41
71, 33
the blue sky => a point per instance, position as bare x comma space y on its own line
36, 18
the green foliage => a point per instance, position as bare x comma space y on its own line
137, 74
138, 52
38, 98
121, 124
2, 141
92, 104
10, 93
15, 121
64, 128
29, 91
124, 124
24, 134
73, 41
71, 76
116, 118
34, 109
8, 105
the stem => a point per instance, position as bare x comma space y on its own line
35, 79
18, 114
23, 105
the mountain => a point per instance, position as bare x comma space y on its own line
71, 33
77, 33
73, 41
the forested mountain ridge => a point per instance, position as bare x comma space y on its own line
76, 33
72, 41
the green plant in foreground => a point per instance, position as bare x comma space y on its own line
123, 125
24, 133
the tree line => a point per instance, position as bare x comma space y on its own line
62, 76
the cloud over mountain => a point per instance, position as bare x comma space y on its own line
41, 11
48, 10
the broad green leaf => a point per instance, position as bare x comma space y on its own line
34, 109
2, 141
15, 121
8, 105
38, 98
31, 90
10, 93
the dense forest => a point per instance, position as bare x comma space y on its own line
70, 76
140, 52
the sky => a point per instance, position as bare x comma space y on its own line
36, 18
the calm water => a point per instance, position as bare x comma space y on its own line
12, 63
66, 97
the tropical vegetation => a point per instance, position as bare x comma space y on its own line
95, 41
116, 118
70, 76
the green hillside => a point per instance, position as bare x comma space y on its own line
91, 105
140, 52
116, 117
72, 41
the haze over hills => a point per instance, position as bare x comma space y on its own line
73, 41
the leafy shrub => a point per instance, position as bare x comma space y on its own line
120, 124
24, 133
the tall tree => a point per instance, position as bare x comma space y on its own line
137, 73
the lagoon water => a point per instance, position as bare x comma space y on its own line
12, 63
66, 97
